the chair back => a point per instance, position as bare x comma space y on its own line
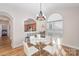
25, 46
38, 35
47, 40
33, 40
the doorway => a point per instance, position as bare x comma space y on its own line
5, 31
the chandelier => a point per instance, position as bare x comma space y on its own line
40, 16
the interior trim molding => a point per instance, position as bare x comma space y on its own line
18, 45
75, 47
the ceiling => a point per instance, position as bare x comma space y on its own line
32, 9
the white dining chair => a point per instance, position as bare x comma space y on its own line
38, 38
55, 48
50, 49
38, 35
47, 40
29, 51
33, 40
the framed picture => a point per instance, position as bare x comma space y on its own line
29, 25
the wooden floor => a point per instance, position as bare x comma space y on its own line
7, 50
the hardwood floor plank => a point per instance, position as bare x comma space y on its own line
7, 50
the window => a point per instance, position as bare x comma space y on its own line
50, 26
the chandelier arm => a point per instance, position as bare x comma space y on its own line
40, 6
40, 16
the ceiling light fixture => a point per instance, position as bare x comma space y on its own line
40, 16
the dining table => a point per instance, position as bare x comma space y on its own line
40, 43
40, 46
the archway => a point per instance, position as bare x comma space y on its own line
6, 27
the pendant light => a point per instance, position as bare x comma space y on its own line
40, 16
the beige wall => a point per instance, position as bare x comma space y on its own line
71, 27
19, 14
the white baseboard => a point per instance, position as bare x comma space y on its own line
70, 46
18, 45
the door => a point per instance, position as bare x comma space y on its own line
4, 30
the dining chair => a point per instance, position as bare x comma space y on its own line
52, 49
29, 51
33, 40
47, 40
56, 47
38, 35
